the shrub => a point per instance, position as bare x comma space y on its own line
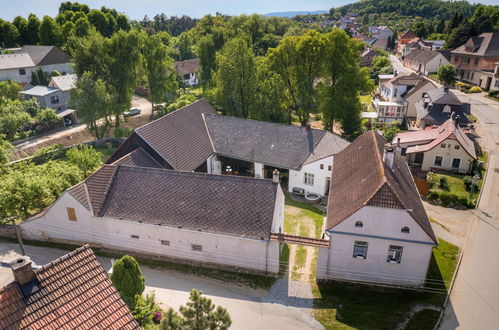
443, 183
122, 132
145, 309
433, 196
467, 181
128, 279
475, 89
494, 93
318, 117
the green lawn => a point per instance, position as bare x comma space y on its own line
105, 152
292, 219
423, 320
340, 305
366, 99
456, 185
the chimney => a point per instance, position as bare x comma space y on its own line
275, 176
22, 270
389, 156
398, 151
446, 89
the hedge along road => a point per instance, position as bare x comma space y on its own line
248, 308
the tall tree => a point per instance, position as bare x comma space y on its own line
447, 74
9, 36
207, 59
298, 60
235, 78
128, 279
93, 102
82, 27
22, 27
184, 45
99, 20
5, 150
122, 22
161, 75
125, 56
342, 81
86, 158
32, 29
50, 32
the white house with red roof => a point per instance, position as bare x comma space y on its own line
443, 148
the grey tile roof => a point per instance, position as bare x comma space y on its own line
40, 91
46, 55
139, 157
98, 184
421, 55
283, 146
230, 205
65, 82
181, 137
487, 44
360, 178
80, 194
15, 61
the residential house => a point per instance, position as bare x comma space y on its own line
475, 60
71, 292
65, 83
381, 44
403, 40
392, 104
48, 97
376, 222
446, 147
435, 44
367, 57
19, 65
189, 71
383, 33
495, 80
424, 60
195, 138
416, 94
439, 105
196, 217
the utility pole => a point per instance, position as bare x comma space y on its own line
18, 233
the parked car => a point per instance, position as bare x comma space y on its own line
132, 112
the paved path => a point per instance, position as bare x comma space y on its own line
137, 102
474, 302
285, 306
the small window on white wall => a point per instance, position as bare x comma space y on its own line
308, 179
405, 230
359, 224
394, 254
134, 236
360, 250
164, 242
196, 247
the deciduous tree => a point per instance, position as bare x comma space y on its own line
86, 158
447, 74
49, 32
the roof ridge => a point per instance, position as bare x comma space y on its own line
380, 163
62, 258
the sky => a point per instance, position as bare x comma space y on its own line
136, 9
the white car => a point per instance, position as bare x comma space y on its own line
132, 112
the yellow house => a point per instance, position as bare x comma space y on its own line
445, 148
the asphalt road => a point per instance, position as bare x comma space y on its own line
285, 306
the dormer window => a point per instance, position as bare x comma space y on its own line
359, 224
405, 230
446, 109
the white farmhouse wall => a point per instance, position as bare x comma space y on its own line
435, 64
192, 81
385, 34
381, 228
116, 234
259, 170
13, 74
297, 178
448, 154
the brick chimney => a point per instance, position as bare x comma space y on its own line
22, 270
275, 176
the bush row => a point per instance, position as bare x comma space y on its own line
448, 199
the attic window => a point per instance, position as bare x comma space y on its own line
405, 230
22, 72
134, 236
71, 213
446, 109
456, 146
322, 166
359, 224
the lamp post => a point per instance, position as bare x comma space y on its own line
18, 234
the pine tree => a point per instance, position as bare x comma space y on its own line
128, 279
200, 314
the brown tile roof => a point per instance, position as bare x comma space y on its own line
447, 131
230, 205
487, 44
79, 192
421, 55
180, 137
138, 157
187, 67
408, 35
361, 178
98, 184
74, 293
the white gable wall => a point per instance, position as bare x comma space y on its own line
13, 74
297, 178
116, 234
381, 228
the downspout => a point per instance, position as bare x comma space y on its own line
267, 256
328, 255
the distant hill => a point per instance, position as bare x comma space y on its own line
290, 14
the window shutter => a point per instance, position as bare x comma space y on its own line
71, 213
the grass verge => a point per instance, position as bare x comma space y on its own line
252, 280
105, 152
341, 305
441, 225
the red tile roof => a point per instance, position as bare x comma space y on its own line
74, 293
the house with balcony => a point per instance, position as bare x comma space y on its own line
444, 148
393, 103
476, 60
